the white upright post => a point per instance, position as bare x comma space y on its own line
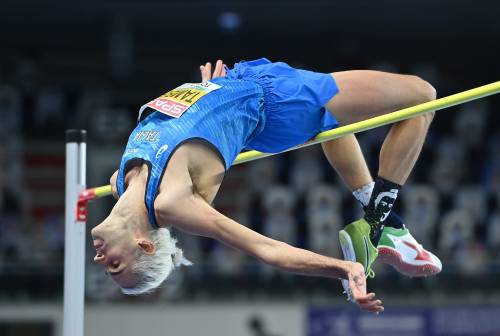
74, 241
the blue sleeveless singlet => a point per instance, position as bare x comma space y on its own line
260, 105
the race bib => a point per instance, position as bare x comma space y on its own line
175, 102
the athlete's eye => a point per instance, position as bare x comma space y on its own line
115, 264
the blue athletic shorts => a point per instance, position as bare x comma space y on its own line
293, 102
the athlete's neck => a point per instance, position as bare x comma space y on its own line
135, 181
130, 207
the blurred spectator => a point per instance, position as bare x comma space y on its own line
111, 125
473, 199
323, 228
446, 174
491, 168
421, 211
306, 169
40, 250
14, 241
451, 149
472, 259
493, 234
90, 100
52, 229
227, 261
323, 218
49, 107
10, 108
323, 199
456, 231
261, 173
279, 221
11, 144
471, 122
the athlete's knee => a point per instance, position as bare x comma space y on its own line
423, 91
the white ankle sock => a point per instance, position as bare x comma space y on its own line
364, 193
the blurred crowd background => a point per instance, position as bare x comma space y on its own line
92, 65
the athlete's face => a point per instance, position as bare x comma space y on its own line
116, 250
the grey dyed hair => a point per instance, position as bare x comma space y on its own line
153, 269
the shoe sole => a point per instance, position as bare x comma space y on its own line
349, 255
394, 258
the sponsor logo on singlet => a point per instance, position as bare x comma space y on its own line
149, 136
175, 102
161, 151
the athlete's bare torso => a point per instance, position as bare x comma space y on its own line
193, 168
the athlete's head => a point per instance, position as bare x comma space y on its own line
137, 258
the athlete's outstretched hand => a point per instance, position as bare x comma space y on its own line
206, 71
357, 286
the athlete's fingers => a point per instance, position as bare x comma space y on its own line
204, 75
364, 298
368, 303
375, 309
218, 69
208, 70
223, 73
372, 306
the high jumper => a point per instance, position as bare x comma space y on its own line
188, 138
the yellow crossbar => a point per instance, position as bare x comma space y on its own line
438, 104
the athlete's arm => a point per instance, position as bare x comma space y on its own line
193, 215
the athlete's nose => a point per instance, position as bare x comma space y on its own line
100, 259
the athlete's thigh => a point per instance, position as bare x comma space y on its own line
365, 94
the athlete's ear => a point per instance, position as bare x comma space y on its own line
146, 246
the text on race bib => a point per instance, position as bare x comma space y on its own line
175, 102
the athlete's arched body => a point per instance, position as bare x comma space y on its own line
187, 139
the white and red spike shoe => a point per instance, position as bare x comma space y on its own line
398, 248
